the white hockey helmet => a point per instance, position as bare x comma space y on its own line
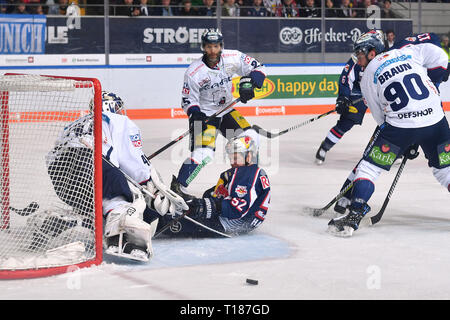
243, 145
112, 103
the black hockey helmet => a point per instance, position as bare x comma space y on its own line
212, 36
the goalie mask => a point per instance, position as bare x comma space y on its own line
112, 103
241, 146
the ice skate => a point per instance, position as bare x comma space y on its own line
320, 156
345, 226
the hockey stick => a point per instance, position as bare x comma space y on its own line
171, 223
184, 215
272, 135
171, 143
319, 211
376, 218
30, 209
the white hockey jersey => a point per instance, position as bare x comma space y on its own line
397, 89
211, 89
122, 145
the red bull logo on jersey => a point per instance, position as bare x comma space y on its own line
136, 140
241, 191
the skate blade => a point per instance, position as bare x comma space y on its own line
319, 162
136, 255
346, 233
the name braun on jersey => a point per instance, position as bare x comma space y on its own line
394, 71
414, 114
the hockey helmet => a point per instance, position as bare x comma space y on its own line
374, 39
112, 103
243, 145
211, 36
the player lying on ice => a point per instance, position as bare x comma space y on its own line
132, 187
237, 204
407, 107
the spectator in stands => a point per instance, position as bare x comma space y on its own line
39, 10
257, 10
444, 45
145, 8
20, 9
9, 6
288, 9
362, 9
387, 12
127, 8
345, 10
94, 7
186, 9
330, 10
230, 9
272, 6
390, 38
165, 9
310, 10
208, 9
59, 8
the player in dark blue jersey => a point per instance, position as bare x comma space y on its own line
349, 105
237, 204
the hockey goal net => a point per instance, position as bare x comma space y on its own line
51, 218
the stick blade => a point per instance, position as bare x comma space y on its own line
315, 212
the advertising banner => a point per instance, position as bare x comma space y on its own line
22, 34
161, 35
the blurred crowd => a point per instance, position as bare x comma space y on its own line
233, 8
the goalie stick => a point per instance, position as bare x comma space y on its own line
30, 209
272, 135
171, 143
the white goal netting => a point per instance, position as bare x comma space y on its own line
47, 170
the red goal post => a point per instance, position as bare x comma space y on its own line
51, 187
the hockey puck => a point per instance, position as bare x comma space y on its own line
251, 281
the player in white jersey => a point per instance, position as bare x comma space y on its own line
207, 89
406, 105
130, 216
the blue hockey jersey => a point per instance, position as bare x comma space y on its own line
246, 197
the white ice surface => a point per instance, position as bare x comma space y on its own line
405, 256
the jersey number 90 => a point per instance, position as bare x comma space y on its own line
398, 93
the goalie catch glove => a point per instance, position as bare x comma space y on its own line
246, 89
164, 200
342, 104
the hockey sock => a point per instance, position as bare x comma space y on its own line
362, 189
185, 175
348, 194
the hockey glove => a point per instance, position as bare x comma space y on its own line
246, 89
342, 104
195, 117
203, 208
412, 152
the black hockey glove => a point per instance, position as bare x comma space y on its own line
412, 152
195, 117
342, 104
203, 208
246, 88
